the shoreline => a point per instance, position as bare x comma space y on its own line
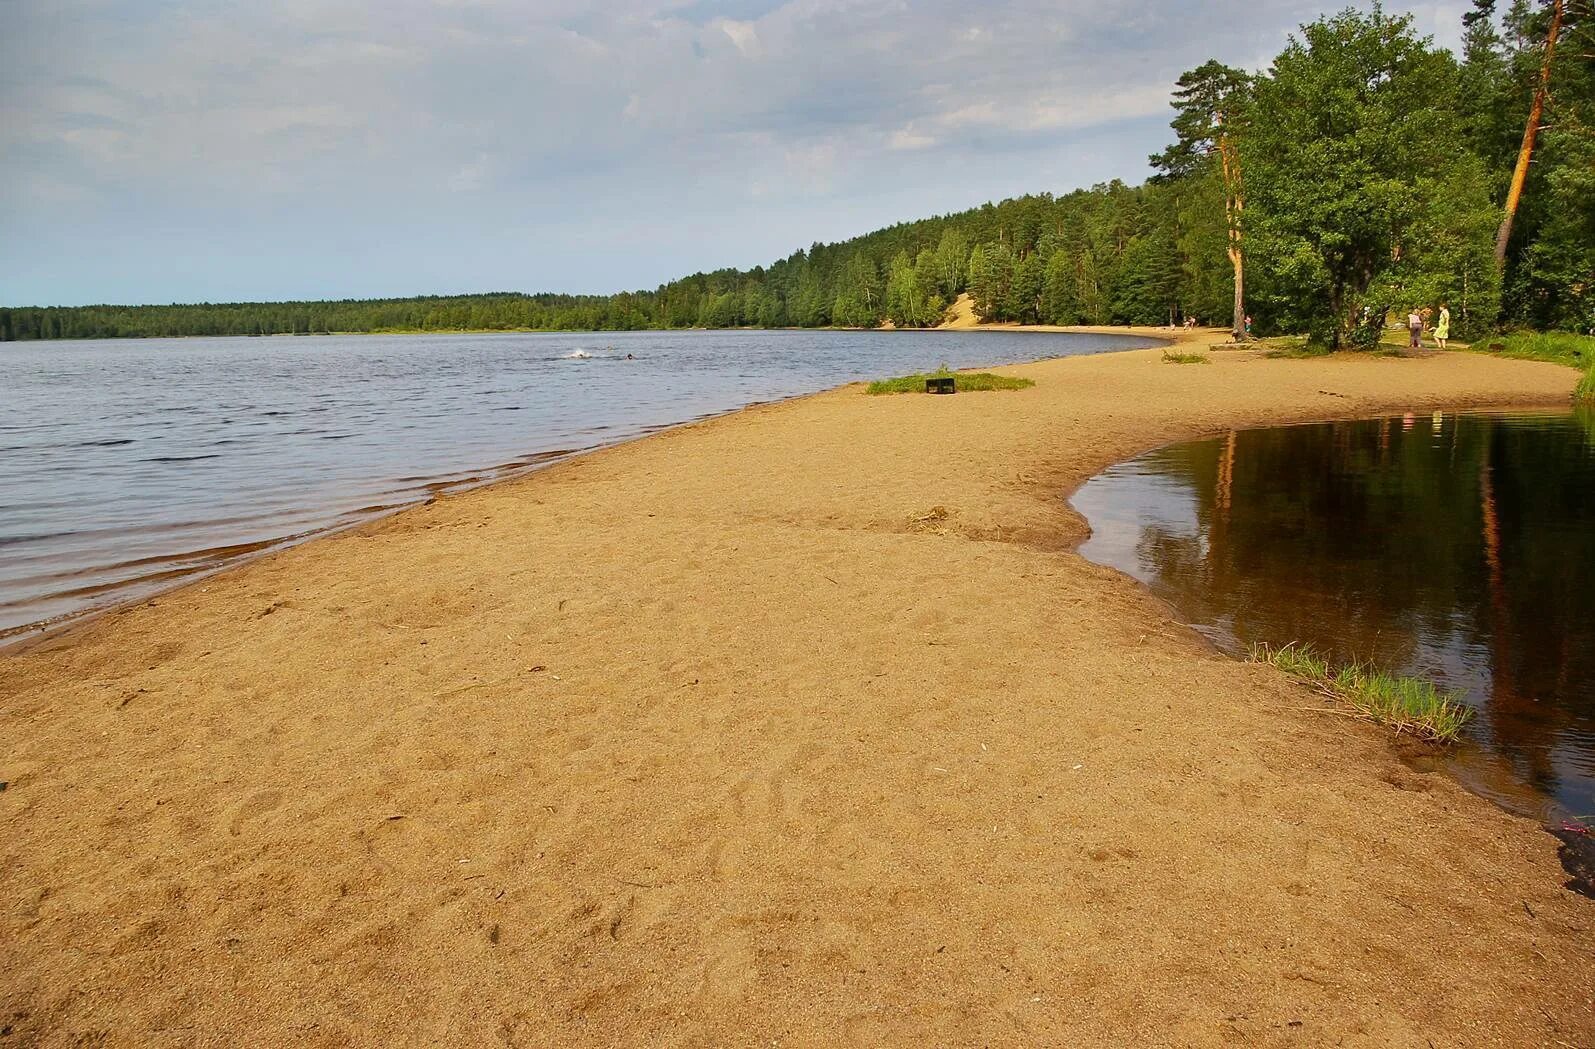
18, 638
1084, 329
836, 739
1485, 775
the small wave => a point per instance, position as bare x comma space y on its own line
14, 540
179, 458
106, 444
608, 353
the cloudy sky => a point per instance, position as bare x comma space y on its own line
157, 151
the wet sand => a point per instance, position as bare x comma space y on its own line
800, 726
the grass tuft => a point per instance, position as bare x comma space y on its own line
1169, 357
970, 382
1584, 392
1297, 660
1407, 704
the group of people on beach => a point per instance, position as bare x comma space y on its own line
1418, 323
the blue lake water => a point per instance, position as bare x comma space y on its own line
127, 466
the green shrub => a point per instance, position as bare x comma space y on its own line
967, 382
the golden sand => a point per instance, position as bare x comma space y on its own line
801, 726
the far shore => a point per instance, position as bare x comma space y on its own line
960, 318
800, 725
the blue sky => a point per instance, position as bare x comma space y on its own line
155, 151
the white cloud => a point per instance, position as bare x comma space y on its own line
471, 177
907, 138
743, 34
329, 117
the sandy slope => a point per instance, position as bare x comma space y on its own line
797, 727
961, 316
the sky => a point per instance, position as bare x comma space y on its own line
212, 150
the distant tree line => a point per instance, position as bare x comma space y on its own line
1365, 170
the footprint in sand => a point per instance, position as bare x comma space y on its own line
252, 808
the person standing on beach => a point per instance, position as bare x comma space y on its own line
1415, 330
1442, 328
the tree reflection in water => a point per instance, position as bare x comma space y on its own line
1460, 548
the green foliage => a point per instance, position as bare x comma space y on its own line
1577, 351
1350, 160
1023, 303
1209, 98
1448, 255
1060, 297
1374, 167
1194, 209
1171, 357
1550, 269
974, 382
912, 296
952, 264
1405, 703
1147, 288
1584, 392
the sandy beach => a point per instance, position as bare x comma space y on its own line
802, 726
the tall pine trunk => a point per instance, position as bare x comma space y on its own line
1234, 205
1531, 131
1239, 263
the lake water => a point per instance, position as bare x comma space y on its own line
130, 465
1457, 547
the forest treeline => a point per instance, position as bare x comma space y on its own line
1364, 171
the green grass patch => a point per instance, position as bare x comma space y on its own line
1296, 660
1559, 347
967, 382
1291, 347
1584, 392
1170, 357
1407, 704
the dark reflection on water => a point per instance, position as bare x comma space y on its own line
1459, 547
127, 466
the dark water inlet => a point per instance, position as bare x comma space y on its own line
1460, 548
127, 466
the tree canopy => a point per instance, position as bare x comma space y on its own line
1365, 170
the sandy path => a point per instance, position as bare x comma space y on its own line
796, 727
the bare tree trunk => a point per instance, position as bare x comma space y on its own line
1234, 205
1531, 131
